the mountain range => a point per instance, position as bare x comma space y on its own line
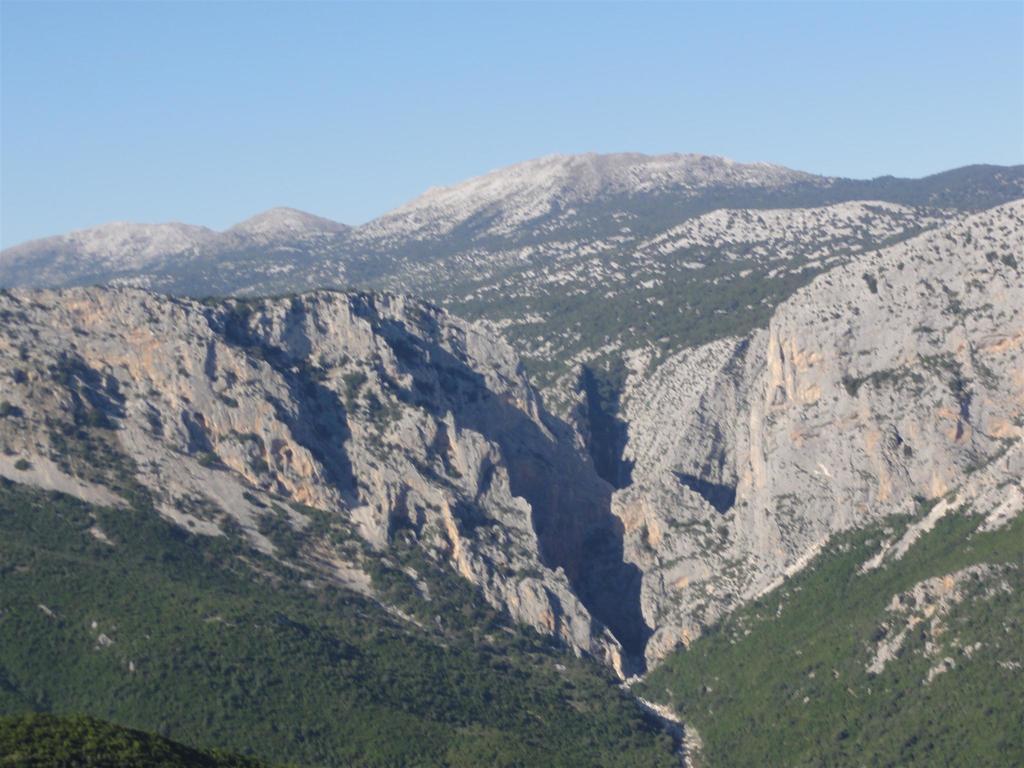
665, 421
658, 238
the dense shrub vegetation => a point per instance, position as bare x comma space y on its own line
784, 682
206, 642
46, 741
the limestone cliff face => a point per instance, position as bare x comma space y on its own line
376, 409
897, 377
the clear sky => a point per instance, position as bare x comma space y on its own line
209, 113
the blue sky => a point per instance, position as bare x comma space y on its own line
208, 113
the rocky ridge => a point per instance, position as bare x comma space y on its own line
516, 199
895, 378
682, 250
132, 253
386, 414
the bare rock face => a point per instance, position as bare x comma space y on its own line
380, 410
894, 378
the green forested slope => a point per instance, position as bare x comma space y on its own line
785, 681
177, 634
46, 741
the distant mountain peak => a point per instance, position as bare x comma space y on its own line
284, 221
122, 247
525, 191
116, 245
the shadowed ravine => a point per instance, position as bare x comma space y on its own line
571, 504
606, 433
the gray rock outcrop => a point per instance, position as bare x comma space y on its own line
894, 378
382, 411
